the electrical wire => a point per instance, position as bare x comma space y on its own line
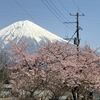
59, 12
55, 11
25, 11
52, 11
63, 6
55, 14
77, 6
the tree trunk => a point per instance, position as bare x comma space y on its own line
74, 94
90, 95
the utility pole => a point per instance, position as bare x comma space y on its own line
76, 42
76, 39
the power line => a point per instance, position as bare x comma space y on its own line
59, 11
63, 6
76, 6
54, 13
55, 10
25, 11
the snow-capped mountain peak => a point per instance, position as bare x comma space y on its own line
29, 32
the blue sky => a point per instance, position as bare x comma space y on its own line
50, 14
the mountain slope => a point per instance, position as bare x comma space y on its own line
29, 32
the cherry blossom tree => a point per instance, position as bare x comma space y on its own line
58, 68
79, 69
25, 73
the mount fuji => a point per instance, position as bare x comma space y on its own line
29, 32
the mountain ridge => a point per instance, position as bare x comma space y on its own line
29, 32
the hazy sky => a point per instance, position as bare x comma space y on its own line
50, 14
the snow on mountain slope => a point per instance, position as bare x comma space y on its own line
29, 32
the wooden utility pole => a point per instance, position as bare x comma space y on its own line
77, 39
76, 42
